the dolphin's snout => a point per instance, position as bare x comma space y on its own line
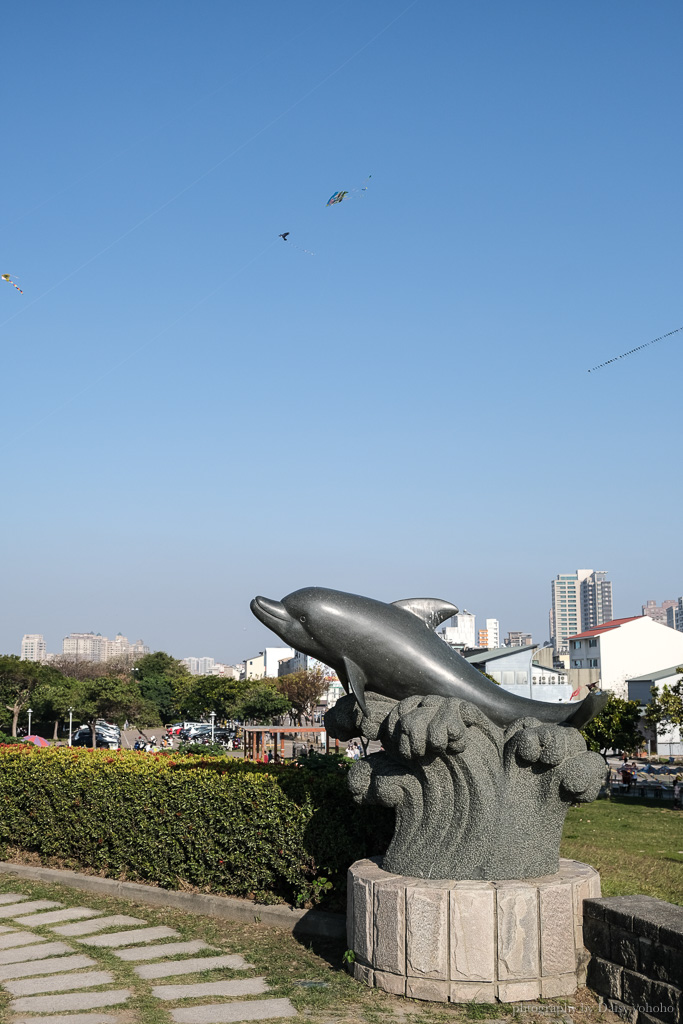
264, 609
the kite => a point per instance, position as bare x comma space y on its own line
630, 352
8, 278
284, 238
339, 197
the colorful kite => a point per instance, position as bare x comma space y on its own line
339, 197
630, 352
8, 278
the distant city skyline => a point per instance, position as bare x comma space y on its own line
673, 608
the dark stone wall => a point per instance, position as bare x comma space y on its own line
636, 965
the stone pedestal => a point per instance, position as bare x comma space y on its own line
461, 941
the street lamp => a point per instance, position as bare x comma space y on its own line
71, 718
212, 716
30, 712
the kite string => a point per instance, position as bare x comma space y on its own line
630, 352
215, 166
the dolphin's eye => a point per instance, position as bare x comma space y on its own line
302, 618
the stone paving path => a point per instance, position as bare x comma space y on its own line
51, 982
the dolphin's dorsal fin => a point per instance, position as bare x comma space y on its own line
357, 682
431, 610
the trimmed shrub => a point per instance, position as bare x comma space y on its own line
273, 832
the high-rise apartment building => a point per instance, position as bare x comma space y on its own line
95, 647
596, 600
580, 600
33, 647
658, 612
674, 615
489, 638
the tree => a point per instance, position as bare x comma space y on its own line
19, 681
161, 678
666, 708
52, 699
109, 698
75, 667
200, 695
615, 728
303, 689
262, 703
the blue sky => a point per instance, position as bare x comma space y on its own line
195, 412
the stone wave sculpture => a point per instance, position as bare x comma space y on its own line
480, 779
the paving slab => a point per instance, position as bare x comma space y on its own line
167, 949
7, 928
198, 963
31, 905
57, 916
72, 1018
58, 982
70, 1001
51, 966
130, 938
17, 956
12, 897
205, 989
19, 939
88, 927
225, 1013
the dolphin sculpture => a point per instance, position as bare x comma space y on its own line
392, 649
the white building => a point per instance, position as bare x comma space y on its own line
490, 637
669, 739
519, 671
461, 632
95, 647
200, 666
33, 647
266, 664
623, 649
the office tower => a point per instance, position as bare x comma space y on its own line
33, 647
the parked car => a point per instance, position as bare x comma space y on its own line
192, 734
178, 727
83, 738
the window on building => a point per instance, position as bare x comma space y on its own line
593, 642
592, 662
577, 663
576, 644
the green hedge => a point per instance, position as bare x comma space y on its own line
267, 831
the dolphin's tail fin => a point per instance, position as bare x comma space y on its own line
357, 682
588, 709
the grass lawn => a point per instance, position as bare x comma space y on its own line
637, 848
286, 963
